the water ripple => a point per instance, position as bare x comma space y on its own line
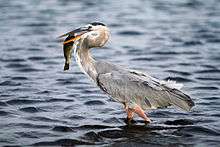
62, 142
94, 102
30, 109
41, 105
62, 129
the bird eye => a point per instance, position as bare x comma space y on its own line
89, 27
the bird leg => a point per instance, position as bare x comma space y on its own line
130, 114
140, 112
129, 111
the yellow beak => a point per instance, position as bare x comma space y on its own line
73, 39
75, 34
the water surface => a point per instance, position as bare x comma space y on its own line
40, 104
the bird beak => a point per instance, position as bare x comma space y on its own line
75, 34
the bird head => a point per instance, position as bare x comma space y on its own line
95, 34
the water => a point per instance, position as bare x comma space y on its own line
42, 105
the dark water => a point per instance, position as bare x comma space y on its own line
169, 39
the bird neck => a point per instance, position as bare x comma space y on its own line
85, 61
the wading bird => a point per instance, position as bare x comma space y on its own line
137, 91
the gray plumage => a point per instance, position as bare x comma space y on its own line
129, 87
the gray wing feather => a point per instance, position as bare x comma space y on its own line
126, 86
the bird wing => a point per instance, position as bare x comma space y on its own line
133, 87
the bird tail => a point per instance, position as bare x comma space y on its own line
181, 100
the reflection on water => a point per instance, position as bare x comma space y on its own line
42, 105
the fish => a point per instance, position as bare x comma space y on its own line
67, 51
68, 44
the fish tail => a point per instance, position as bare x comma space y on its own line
66, 66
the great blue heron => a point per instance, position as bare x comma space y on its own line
136, 90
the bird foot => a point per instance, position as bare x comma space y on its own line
139, 111
147, 121
129, 121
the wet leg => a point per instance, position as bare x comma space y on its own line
140, 112
130, 114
